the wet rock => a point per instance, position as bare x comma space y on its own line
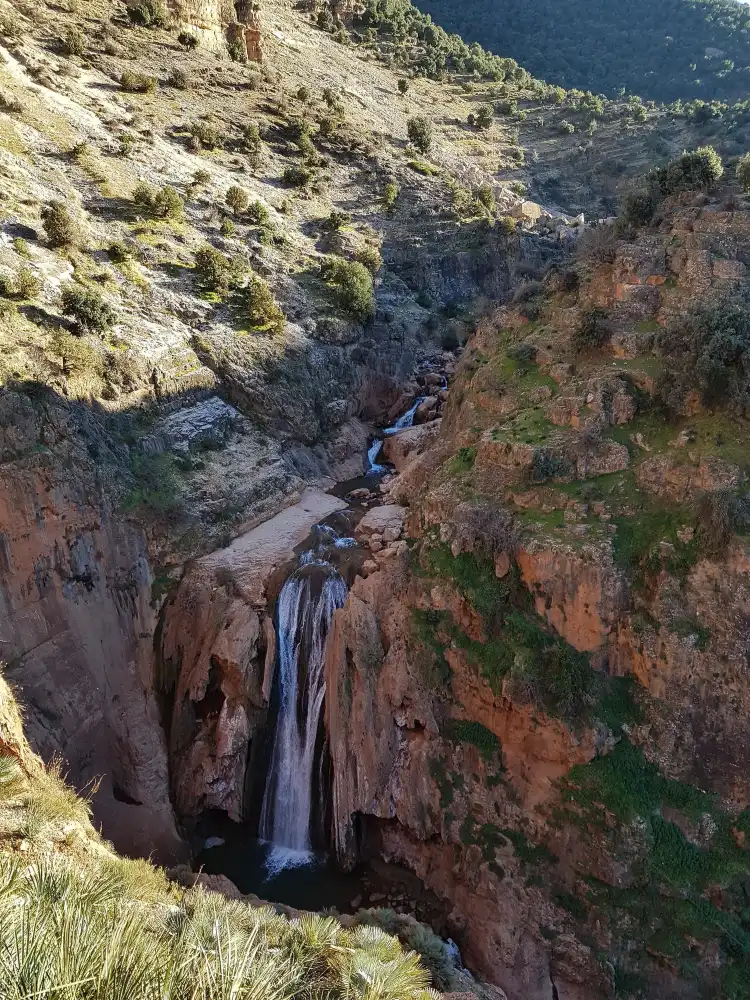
426, 410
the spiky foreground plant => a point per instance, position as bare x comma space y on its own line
81, 933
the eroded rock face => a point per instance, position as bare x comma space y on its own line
218, 653
77, 622
237, 21
385, 723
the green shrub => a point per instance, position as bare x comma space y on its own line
27, 284
709, 350
335, 221
369, 256
205, 135
237, 49
419, 130
74, 42
87, 307
149, 14
21, 246
297, 176
403, 86
257, 213
485, 196
138, 83
118, 252
566, 128
188, 40
253, 144
227, 227
264, 313
77, 357
201, 177
592, 330
163, 203
179, 79
303, 94
59, 225
353, 286
743, 172
507, 224
217, 272
462, 731
696, 170
484, 116
639, 208
390, 195
237, 199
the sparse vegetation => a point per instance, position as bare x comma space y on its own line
92, 314
237, 199
162, 203
59, 225
419, 130
138, 83
352, 283
217, 272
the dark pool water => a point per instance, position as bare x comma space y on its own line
305, 881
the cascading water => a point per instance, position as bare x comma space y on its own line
305, 608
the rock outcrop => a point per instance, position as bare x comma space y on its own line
217, 659
76, 620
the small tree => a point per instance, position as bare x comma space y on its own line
58, 225
253, 144
257, 213
485, 117
390, 194
74, 42
237, 199
403, 86
419, 130
87, 307
28, 285
149, 14
743, 172
485, 196
217, 272
264, 312
168, 204
352, 283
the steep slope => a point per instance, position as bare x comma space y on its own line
540, 707
676, 50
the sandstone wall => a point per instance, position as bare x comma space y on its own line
76, 622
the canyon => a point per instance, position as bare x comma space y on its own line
498, 517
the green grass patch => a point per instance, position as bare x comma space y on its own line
424, 168
463, 460
474, 733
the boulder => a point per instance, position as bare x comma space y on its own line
426, 410
400, 449
376, 521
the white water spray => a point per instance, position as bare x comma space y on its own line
306, 605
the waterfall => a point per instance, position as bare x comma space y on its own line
305, 608
406, 419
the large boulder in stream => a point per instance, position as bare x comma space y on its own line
401, 448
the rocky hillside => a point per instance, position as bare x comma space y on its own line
540, 705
